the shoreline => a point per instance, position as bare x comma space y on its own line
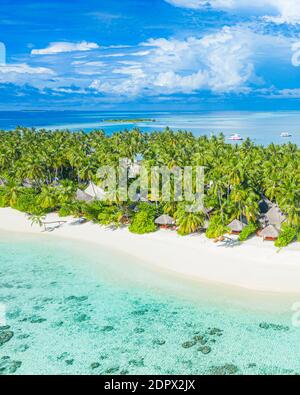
254, 265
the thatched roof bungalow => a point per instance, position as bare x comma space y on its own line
81, 196
270, 233
165, 221
275, 217
236, 226
96, 192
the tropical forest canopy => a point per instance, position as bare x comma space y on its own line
56, 163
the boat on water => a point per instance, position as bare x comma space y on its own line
285, 134
235, 137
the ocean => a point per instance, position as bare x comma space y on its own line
78, 309
262, 127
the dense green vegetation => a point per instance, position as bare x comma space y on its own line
248, 231
287, 235
54, 164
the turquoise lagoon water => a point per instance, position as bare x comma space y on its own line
83, 310
262, 127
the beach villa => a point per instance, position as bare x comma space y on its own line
165, 222
270, 233
236, 226
82, 196
275, 217
96, 192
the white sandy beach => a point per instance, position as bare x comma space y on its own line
254, 265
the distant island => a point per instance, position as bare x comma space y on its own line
129, 120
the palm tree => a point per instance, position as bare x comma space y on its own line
188, 222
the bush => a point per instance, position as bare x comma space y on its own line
216, 228
287, 235
110, 215
27, 202
143, 222
3, 198
248, 231
65, 211
92, 210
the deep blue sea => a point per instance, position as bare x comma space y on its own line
262, 127
80, 309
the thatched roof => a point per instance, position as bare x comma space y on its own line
165, 220
81, 196
95, 191
236, 225
275, 216
270, 232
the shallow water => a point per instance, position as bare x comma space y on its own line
262, 127
81, 309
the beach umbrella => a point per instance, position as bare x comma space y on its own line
95, 191
275, 216
270, 233
236, 226
81, 196
165, 220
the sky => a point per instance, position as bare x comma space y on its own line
150, 54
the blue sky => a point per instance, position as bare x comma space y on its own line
150, 54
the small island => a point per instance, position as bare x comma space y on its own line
129, 120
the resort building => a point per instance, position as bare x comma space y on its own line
275, 217
270, 233
236, 226
96, 192
165, 222
82, 196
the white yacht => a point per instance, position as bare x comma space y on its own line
235, 137
285, 134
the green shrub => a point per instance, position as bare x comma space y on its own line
287, 235
26, 201
3, 198
66, 210
216, 228
143, 222
92, 210
110, 215
248, 231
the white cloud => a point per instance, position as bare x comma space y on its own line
62, 47
188, 3
23, 68
219, 62
277, 11
22, 73
287, 94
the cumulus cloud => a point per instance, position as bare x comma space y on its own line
277, 11
22, 73
62, 47
219, 62
23, 68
